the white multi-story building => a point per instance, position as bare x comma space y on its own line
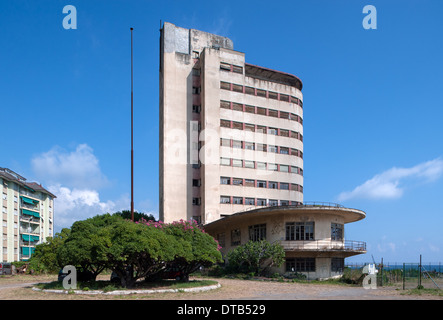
231, 153
27, 216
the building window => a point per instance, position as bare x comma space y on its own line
225, 142
284, 97
237, 181
272, 148
235, 237
225, 161
272, 167
237, 88
284, 133
261, 93
237, 125
261, 184
237, 106
273, 131
225, 180
299, 231
272, 185
249, 164
261, 202
284, 202
284, 150
261, 129
225, 199
261, 111
250, 127
225, 66
237, 69
196, 201
284, 168
196, 109
300, 264
196, 182
336, 231
249, 109
237, 144
273, 95
261, 147
273, 203
249, 183
225, 85
237, 163
284, 186
294, 100
249, 90
261, 165
249, 201
196, 90
237, 200
273, 113
284, 115
225, 104
225, 123
257, 232
249, 145
337, 264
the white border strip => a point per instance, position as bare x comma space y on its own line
126, 292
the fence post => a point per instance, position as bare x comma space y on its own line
419, 274
381, 271
404, 275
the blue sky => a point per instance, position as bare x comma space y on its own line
373, 111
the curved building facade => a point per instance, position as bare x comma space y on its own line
231, 154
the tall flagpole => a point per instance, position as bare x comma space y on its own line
132, 136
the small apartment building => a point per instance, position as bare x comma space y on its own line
231, 153
27, 216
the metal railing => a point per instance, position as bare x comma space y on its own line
305, 204
323, 245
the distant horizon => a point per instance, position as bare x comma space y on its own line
372, 105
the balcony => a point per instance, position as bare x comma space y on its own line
349, 246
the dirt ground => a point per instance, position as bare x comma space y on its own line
20, 288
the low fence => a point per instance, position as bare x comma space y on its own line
408, 275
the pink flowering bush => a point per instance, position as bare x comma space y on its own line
197, 248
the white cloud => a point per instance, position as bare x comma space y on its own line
79, 168
75, 178
78, 204
390, 183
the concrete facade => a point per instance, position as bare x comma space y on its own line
231, 154
27, 216
231, 133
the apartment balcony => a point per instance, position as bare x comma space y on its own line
29, 230
347, 247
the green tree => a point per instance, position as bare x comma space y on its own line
199, 248
138, 250
45, 255
256, 256
138, 216
88, 244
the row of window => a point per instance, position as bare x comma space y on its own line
294, 231
256, 202
239, 144
260, 93
260, 110
260, 129
259, 165
308, 264
261, 184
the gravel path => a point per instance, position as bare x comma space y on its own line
230, 289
